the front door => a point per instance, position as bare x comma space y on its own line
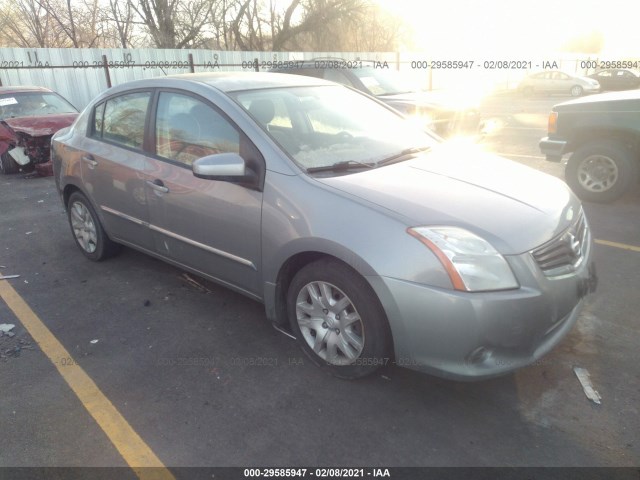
210, 226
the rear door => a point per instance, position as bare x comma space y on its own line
207, 225
113, 165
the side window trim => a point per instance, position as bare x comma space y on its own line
92, 125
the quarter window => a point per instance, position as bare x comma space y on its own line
188, 129
98, 121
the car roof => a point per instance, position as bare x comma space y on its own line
227, 81
630, 70
21, 89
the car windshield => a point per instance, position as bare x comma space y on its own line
322, 126
381, 81
27, 104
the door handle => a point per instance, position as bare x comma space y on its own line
158, 185
88, 158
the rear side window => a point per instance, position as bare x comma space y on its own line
122, 119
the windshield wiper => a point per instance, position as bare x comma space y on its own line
341, 166
399, 157
400, 92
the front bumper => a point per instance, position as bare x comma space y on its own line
553, 149
472, 336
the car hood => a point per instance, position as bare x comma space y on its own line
512, 206
38, 126
624, 96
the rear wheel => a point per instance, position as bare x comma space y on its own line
337, 319
87, 229
576, 91
600, 172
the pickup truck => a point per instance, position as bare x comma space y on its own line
602, 133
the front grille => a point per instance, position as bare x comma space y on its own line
565, 252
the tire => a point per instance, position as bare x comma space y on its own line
576, 91
8, 165
600, 171
88, 231
356, 336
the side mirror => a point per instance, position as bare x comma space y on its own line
226, 167
219, 166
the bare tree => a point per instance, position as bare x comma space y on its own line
325, 25
122, 16
174, 23
313, 25
27, 24
68, 25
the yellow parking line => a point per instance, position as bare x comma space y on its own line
623, 246
133, 449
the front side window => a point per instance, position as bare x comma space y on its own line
188, 129
123, 119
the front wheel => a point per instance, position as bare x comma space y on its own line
87, 229
337, 319
600, 171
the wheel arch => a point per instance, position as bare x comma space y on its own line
628, 139
69, 189
301, 259
299, 255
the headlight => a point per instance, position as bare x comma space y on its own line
471, 262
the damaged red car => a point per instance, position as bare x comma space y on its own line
29, 116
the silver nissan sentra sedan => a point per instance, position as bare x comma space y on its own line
366, 238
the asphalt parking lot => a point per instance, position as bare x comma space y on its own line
201, 378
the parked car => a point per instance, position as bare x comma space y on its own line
555, 81
29, 116
617, 79
602, 133
441, 112
366, 237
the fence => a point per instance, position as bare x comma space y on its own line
81, 74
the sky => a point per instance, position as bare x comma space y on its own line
486, 28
